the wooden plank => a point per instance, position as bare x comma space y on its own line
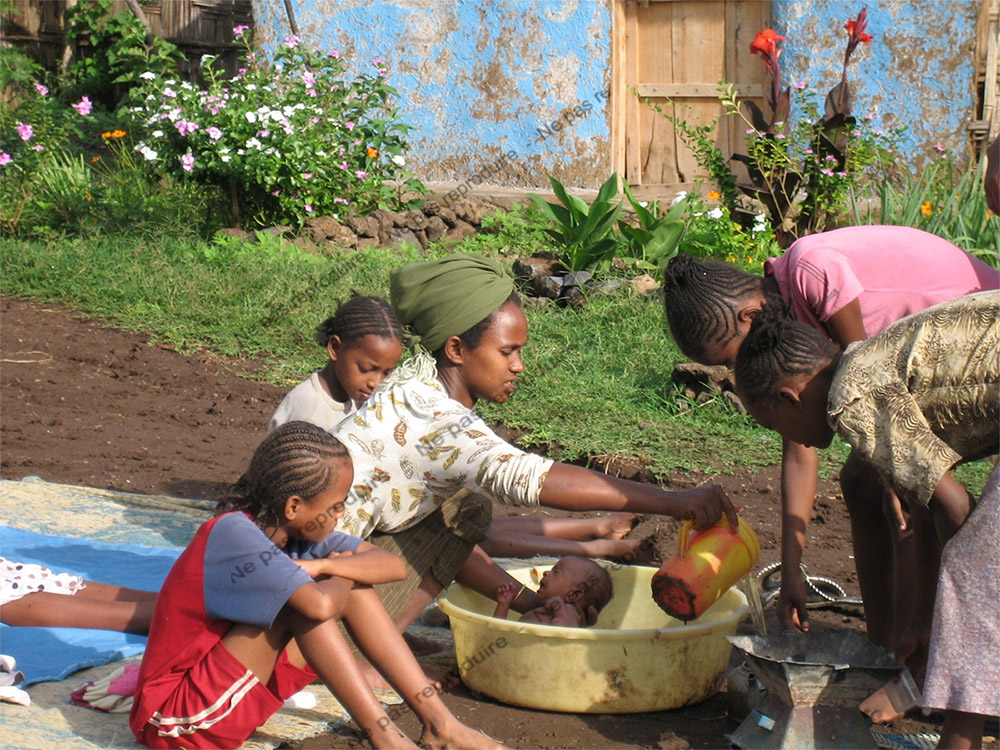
633, 169
658, 141
696, 90
619, 88
698, 46
743, 20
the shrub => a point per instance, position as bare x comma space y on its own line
290, 139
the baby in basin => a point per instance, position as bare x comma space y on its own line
572, 592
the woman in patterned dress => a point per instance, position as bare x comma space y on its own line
914, 401
428, 468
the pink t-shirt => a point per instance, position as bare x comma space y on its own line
892, 272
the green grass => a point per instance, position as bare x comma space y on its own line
597, 381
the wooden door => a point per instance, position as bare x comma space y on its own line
675, 52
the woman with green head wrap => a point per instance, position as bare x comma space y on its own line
427, 467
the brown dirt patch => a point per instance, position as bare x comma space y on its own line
86, 404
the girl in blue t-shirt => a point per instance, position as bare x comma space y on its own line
251, 608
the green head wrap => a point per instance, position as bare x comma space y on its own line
447, 297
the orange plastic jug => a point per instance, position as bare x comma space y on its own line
706, 564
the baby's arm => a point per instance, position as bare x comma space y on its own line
505, 595
367, 564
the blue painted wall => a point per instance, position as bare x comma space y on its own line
917, 71
506, 91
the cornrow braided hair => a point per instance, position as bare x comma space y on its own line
777, 347
358, 317
298, 458
702, 299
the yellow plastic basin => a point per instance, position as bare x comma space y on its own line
637, 658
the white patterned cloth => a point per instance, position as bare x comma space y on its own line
20, 579
413, 447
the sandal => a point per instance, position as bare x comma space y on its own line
820, 590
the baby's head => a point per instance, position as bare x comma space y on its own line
364, 340
578, 581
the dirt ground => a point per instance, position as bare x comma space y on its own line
85, 404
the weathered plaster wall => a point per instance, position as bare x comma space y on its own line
501, 91
917, 71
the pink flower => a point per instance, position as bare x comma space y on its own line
334, 53
275, 193
309, 208
343, 165
307, 176
83, 106
361, 174
939, 147
292, 41
800, 85
169, 92
342, 200
187, 162
349, 125
214, 133
5, 158
25, 131
39, 147
827, 172
185, 127
311, 92
238, 31
42, 91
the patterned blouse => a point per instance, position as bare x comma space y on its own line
924, 394
413, 447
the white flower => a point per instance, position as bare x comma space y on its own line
251, 117
759, 223
644, 204
157, 133
148, 75
679, 197
147, 152
715, 213
226, 158
254, 143
399, 160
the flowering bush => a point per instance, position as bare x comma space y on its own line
290, 139
713, 233
802, 172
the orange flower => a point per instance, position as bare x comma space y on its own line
95, 160
925, 208
372, 153
117, 133
766, 44
714, 195
106, 134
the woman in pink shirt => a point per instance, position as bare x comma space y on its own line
849, 284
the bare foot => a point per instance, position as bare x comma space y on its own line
456, 735
421, 646
629, 551
617, 525
387, 735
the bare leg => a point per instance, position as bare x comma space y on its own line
610, 526
962, 730
323, 646
45, 610
429, 588
871, 535
376, 635
96, 590
505, 543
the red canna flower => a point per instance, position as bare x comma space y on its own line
765, 44
856, 29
